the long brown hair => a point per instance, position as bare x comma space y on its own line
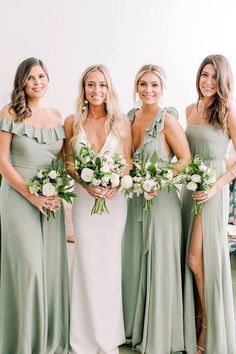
217, 112
19, 100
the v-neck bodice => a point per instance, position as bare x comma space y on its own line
152, 140
111, 142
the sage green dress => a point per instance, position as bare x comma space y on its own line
34, 277
152, 284
213, 145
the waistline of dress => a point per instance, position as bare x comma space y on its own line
30, 167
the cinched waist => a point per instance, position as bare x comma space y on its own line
29, 167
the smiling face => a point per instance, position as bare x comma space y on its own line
36, 83
208, 81
149, 88
96, 88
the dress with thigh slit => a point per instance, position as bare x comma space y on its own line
213, 145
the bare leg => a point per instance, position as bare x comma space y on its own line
195, 261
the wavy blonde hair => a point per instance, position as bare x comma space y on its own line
19, 100
115, 119
219, 108
155, 69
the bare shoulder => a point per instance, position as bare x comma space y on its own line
189, 110
170, 121
5, 112
68, 125
69, 121
231, 118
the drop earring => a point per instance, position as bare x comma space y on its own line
85, 106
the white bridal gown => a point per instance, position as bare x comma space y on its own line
95, 291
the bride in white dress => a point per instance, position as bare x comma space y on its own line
96, 325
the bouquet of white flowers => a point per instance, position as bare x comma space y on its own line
198, 177
148, 176
99, 170
50, 182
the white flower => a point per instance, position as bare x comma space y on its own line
196, 178
137, 179
87, 174
148, 185
105, 180
169, 174
52, 174
203, 167
40, 174
96, 182
147, 196
86, 159
33, 190
192, 186
106, 167
48, 190
109, 159
126, 182
137, 189
147, 164
115, 180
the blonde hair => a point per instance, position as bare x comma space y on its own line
19, 99
155, 69
115, 119
218, 110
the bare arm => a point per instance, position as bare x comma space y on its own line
177, 140
230, 174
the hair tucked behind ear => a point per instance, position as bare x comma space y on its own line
217, 112
19, 100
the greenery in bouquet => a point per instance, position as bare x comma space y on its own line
147, 177
198, 177
51, 182
103, 170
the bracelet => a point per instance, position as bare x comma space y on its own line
232, 173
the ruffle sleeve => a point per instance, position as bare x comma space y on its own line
42, 135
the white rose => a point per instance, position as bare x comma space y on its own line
52, 174
196, 178
148, 185
87, 174
48, 190
192, 186
40, 174
115, 180
126, 182
96, 182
